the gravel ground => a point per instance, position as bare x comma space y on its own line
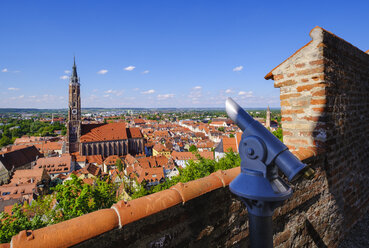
358, 236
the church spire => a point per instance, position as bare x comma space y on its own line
74, 74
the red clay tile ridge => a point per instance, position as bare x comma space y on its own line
68, 233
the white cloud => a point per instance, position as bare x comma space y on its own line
145, 72
136, 89
66, 71
114, 92
148, 92
228, 91
195, 95
11, 88
4, 70
165, 96
238, 68
245, 94
102, 72
64, 77
129, 68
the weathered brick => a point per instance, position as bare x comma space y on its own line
311, 118
300, 65
284, 83
297, 141
285, 103
286, 119
287, 96
319, 93
317, 62
297, 126
300, 103
292, 111
282, 237
310, 71
319, 110
278, 77
318, 101
287, 133
309, 87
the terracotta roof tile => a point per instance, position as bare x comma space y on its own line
197, 187
6, 245
134, 132
145, 206
227, 176
103, 132
55, 164
69, 232
111, 160
139, 121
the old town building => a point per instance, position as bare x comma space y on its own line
98, 139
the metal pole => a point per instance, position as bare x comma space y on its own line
261, 231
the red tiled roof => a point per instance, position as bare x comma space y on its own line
55, 164
109, 131
134, 132
49, 146
189, 155
103, 132
150, 174
160, 148
232, 143
90, 169
111, 160
139, 121
25, 176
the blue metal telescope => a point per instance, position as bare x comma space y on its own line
258, 185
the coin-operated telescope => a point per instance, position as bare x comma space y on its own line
259, 185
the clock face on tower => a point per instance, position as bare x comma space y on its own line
74, 111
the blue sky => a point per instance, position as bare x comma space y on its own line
175, 53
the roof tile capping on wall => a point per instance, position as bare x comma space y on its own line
74, 231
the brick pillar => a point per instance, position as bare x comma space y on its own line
302, 93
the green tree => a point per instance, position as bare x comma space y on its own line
119, 164
279, 134
11, 225
192, 148
76, 198
221, 129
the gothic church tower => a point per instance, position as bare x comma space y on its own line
267, 122
74, 113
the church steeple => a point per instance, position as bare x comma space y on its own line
74, 113
74, 78
74, 74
